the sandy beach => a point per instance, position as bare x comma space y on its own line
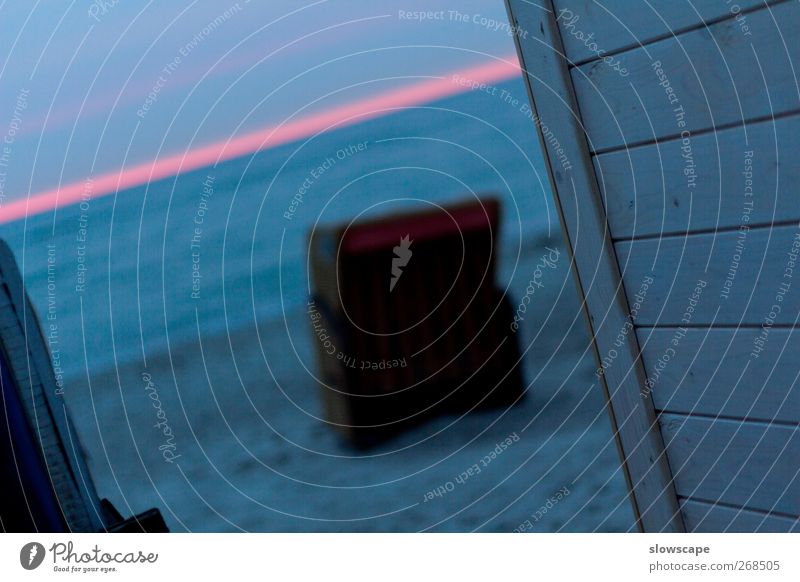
223, 433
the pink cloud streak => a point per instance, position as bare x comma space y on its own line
261, 139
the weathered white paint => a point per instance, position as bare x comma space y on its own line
718, 74
710, 371
647, 193
706, 517
591, 26
746, 464
650, 113
751, 292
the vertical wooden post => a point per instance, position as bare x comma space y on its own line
583, 219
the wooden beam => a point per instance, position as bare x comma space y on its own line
587, 238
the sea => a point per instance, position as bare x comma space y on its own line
191, 290
221, 247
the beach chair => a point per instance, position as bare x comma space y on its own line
46, 484
407, 321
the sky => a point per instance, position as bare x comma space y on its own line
120, 92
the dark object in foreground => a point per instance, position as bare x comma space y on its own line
150, 521
407, 320
45, 483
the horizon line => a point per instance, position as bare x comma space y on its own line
171, 165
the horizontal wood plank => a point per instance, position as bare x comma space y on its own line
750, 175
752, 465
613, 26
729, 278
703, 79
709, 518
710, 371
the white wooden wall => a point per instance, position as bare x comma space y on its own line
688, 159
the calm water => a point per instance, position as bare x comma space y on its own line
124, 269
117, 279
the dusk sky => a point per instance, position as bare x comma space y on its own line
92, 89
